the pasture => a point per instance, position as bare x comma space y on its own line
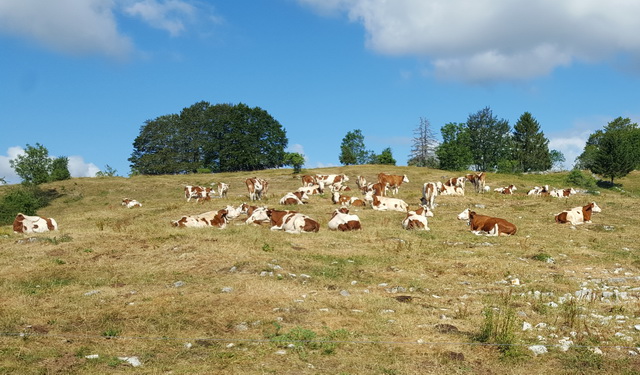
116, 282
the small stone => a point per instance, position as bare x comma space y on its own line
281, 352
345, 293
526, 326
133, 361
92, 356
178, 284
227, 289
538, 349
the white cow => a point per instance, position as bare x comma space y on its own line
343, 221
386, 203
417, 219
33, 224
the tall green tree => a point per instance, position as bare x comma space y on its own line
294, 159
587, 159
491, 139
352, 149
222, 138
60, 169
454, 153
530, 146
615, 151
557, 158
424, 146
34, 166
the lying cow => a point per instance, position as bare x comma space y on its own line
131, 203
332, 178
33, 224
417, 219
564, 193
298, 197
449, 190
338, 187
487, 225
257, 215
216, 219
578, 215
292, 222
380, 203
341, 220
346, 200
313, 189
506, 190
308, 180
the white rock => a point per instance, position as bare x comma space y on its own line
565, 344
596, 350
133, 361
526, 326
92, 356
538, 349
281, 352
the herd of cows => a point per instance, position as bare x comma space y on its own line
374, 195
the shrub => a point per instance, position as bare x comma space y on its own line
24, 199
577, 178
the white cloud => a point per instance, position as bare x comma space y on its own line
167, 15
76, 27
78, 167
488, 40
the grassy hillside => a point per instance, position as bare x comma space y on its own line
118, 282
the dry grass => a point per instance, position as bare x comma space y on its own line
326, 300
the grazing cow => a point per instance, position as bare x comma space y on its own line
308, 180
298, 197
392, 181
257, 188
578, 215
487, 225
313, 189
341, 220
429, 193
506, 190
33, 224
292, 222
223, 189
449, 190
477, 180
198, 192
417, 219
131, 203
331, 179
564, 193
380, 203
337, 198
208, 219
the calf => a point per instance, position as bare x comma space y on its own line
578, 215
429, 194
417, 219
33, 224
216, 219
490, 226
131, 203
380, 203
392, 181
341, 220
298, 197
506, 190
337, 198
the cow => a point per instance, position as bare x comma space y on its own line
257, 215
455, 181
308, 180
33, 224
377, 189
429, 194
487, 225
578, 215
537, 190
216, 219
234, 212
380, 203
477, 179
198, 192
313, 189
223, 189
564, 193
337, 198
341, 220
332, 178
131, 203
361, 182
298, 197
449, 190
392, 181
417, 219
292, 222
257, 188
506, 190
339, 187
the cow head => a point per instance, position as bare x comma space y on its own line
464, 215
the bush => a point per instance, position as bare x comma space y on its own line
577, 178
24, 199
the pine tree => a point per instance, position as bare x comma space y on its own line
490, 138
531, 147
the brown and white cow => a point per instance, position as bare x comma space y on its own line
298, 197
308, 180
361, 182
506, 190
487, 225
455, 181
343, 221
562, 193
578, 215
417, 219
380, 203
197, 192
377, 189
449, 190
392, 181
339, 187
313, 189
131, 203
477, 179
216, 219
257, 215
338, 198
330, 179
257, 187
292, 222
223, 189
429, 194
33, 224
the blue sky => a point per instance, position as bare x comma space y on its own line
82, 76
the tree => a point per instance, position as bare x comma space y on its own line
557, 158
424, 145
108, 172
221, 138
490, 137
294, 159
454, 152
2, 180
615, 156
352, 150
385, 157
587, 159
530, 146
60, 169
34, 166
